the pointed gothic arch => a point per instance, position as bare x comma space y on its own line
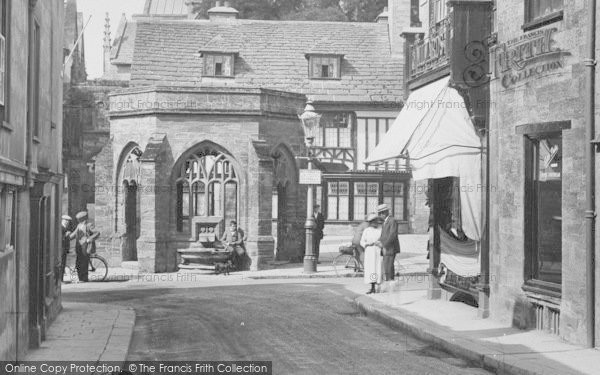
207, 184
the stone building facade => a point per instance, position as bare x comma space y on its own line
351, 71
30, 171
537, 153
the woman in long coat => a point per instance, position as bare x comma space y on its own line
373, 260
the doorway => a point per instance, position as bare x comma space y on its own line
130, 190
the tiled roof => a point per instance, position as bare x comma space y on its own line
164, 7
121, 51
271, 55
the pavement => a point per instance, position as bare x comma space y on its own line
87, 332
449, 326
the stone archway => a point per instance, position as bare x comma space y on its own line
285, 185
130, 218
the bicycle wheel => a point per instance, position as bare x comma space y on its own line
98, 268
345, 264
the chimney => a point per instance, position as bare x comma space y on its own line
383, 16
222, 12
399, 12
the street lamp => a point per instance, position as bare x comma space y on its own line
310, 123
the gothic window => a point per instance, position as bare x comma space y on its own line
132, 166
207, 186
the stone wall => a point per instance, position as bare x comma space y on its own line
249, 137
547, 97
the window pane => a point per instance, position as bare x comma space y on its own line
373, 189
549, 209
331, 135
399, 208
359, 208
345, 137
360, 188
343, 208
333, 188
344, 187
274, 204
372, 203
332, 208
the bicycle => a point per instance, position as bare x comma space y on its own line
347, 259
97, 269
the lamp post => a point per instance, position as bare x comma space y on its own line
310, 123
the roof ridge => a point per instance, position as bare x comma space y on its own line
154, 20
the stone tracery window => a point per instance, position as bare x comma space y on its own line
207, 186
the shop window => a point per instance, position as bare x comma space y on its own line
335, 130
542, 12
324, 67
366, 198
338, 200
543, 219
218, 65
353, 200
393, 196
7, 224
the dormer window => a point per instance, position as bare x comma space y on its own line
218, 64
324, 66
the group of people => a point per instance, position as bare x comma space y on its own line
377, 237
85, 235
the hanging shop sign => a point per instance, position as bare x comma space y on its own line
529, 56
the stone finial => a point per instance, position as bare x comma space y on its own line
107, 41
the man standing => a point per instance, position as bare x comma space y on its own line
389, 241
66, 243
85, 244
318, 232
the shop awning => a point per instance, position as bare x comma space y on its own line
435, 133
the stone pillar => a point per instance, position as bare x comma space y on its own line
260, 244
154, 211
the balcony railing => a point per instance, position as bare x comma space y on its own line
431, 52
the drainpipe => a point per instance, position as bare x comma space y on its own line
590, 214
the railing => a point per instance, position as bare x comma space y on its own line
432, 52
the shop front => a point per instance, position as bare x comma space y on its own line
435, 134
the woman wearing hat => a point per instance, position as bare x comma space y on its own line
372, 263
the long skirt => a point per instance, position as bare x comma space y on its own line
373, 265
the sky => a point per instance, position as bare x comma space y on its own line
94, 32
